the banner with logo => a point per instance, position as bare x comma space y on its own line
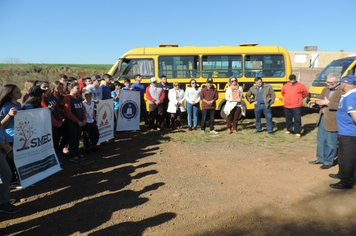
105, 119
129, 111
34, 154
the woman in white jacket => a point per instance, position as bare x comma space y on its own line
233, 95
176, 105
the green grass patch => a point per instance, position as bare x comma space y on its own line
105, 67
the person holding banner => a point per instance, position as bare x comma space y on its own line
141, 88
90, 129
9, 106
155, 95
75, 120
5, 177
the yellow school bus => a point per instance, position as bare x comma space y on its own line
182, 64
342, 67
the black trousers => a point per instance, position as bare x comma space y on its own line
143, 110
295, 113
74, 132
156, 114
166, 116
204, 112
90, 135
347, 154
55, 138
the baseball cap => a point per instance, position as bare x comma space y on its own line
36, 91
349, 79
95, 77
209, 80
153, 79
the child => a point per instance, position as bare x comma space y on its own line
9, 106
87, 81
116, 94
28, 85
141, 88
57, 90
75, 120
43, 84
127, 84
95, 89
5, 177
90, 130
48, 100
106, 87
35, 98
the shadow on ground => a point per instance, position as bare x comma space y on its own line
84, 195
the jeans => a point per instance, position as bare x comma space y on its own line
326, 144
347, 153
192, 110
203, 118
259, 108
295, 113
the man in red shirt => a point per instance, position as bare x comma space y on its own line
294, 93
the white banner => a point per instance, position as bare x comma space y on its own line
34, 154
105, 119
129, 111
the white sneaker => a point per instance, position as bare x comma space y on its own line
213, 132
202, 132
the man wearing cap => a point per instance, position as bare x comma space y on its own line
155, 96
346, 122
326, 139
208, 96
294, 93
95, 88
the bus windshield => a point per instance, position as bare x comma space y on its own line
337, 67
128, 68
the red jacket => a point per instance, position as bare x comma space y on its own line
294, 94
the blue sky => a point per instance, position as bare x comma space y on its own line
99, 32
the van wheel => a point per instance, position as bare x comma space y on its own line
222, 113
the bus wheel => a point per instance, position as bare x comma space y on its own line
222, 113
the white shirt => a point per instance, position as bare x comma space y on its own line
89, 111
192, 95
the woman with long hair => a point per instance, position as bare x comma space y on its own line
192, 95
9, 106
232, 109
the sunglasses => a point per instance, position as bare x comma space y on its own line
193, 83
233, 80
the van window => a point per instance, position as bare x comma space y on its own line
128, 68
178, 66
222, 66
264, 66
338, 67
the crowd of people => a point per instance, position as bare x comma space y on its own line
73, 107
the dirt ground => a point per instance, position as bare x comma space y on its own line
146, 183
